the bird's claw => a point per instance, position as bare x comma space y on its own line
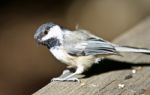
64, 79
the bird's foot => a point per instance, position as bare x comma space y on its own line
66, 79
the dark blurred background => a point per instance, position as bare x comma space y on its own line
24, 67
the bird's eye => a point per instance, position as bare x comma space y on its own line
45, 32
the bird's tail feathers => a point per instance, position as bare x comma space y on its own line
132, 49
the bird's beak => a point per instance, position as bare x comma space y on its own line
37, 38
38, 41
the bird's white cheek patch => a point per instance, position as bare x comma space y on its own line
46, 37
54, 32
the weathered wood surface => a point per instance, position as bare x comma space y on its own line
105, 78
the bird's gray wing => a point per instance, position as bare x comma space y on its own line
83, 44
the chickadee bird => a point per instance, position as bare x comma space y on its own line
78, 48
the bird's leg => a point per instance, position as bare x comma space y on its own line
71, 77
65, 73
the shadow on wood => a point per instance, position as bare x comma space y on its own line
108, 65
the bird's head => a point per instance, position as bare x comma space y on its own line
49, 34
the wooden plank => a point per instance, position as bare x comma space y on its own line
112, 77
